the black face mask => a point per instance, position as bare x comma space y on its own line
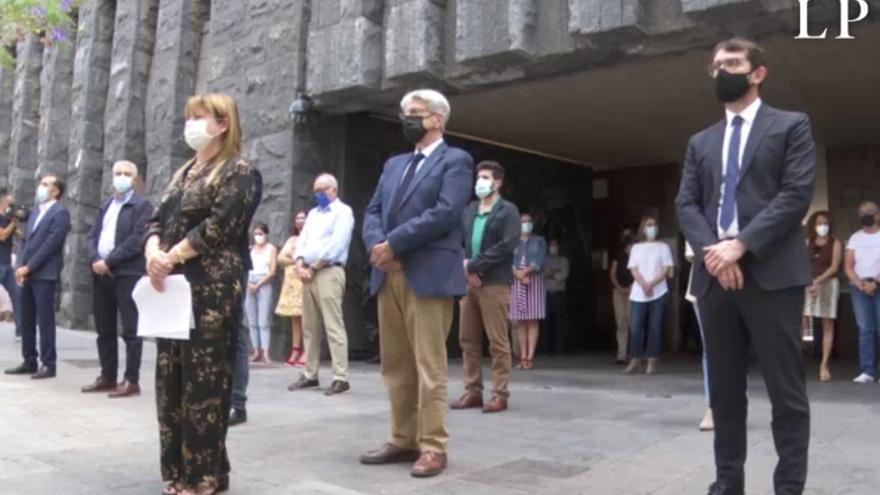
731, 87
413, 128
868, 219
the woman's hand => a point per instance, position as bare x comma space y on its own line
159, 265
252, 288
813, 289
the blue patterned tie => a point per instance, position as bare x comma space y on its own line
731, 178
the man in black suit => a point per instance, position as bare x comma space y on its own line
747, 184
38, 273
116, 251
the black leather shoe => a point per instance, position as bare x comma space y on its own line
44, 372
302, 383
22, 369
718, 488
237, 417
337, 387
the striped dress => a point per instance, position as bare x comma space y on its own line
527, 301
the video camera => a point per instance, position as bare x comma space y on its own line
17, 212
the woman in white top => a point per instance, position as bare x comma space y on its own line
863, 271
258, 302
650, 262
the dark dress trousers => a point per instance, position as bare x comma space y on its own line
111, 294
773, 194
42, 252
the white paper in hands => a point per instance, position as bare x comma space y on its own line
165, 315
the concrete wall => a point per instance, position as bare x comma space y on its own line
119, 91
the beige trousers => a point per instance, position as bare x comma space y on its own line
621, 318
412, 339
485, 308
322, 313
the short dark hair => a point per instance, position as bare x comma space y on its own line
754, 53
494, 167
59, 184
262, 227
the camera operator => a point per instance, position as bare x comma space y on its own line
8, 230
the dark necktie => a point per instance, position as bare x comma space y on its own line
731, 177
404, 185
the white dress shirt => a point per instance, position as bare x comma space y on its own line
748, 115
326, 235
43, 209
107, 241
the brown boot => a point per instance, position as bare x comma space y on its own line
469, 400
497, 404
429, 464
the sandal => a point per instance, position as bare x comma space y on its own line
295, 355
521, 364
528, 364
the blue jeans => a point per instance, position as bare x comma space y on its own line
259, 313
651, 315
705, 355
7, 280
242, 372
867, 310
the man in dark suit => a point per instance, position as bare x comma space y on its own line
412, 231
491, 227
42, 257
746, 186
116, 252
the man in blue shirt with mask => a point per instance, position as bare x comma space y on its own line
322, 252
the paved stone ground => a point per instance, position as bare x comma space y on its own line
576, 426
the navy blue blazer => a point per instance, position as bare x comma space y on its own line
127, 257
42, 249
428, 237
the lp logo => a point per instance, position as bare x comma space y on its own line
845, 20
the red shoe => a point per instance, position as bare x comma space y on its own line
295, 355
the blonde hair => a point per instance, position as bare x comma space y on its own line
223, 108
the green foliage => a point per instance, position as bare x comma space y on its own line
49, 19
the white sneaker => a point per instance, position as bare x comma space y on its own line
864, 378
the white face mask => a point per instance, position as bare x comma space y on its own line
42, 194
554, 250
483, 188
196, 134
260, 239
651, 232
823, 230
122, 184
527, 228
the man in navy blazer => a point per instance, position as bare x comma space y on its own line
38, 273
411, 229
746, 186
116, 254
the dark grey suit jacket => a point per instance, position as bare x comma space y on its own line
500, 238
774, 192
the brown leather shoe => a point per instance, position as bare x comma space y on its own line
125, 389
100, 384
389, 454
497, 404
469, 400
429, 464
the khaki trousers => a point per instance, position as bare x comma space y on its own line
322, 312
621, 318
412, 339
485, 308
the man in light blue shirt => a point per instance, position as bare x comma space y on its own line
322, 252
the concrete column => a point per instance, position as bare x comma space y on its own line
6, 82
86, 154
24, 133
56, 79
134, 37
173, 72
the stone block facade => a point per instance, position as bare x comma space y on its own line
119, 91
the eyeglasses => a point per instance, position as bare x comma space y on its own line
404, 116
729, 65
